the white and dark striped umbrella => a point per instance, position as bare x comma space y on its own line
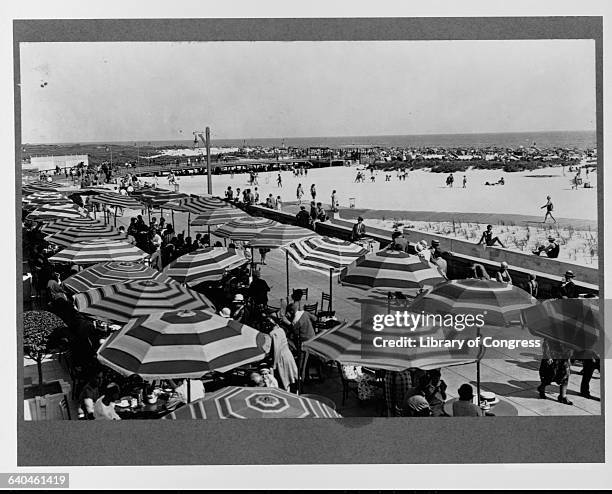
499, 303
95, 251
253, 403
195, 204
118, 200
208, 264
279, 236
244, 229
110, 273
124, 301
349, 344
390, 270
37, 199
324, 253
64, 223
42, 186
181, 344
56, 211
85, 233
158, 197
218, 216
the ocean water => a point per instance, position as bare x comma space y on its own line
569, 139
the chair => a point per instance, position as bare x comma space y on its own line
312, 308
64, 408
304, 293
346, 384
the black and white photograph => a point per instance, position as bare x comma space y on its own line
255, 233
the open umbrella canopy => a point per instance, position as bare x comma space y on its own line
181, 344
575, 323
208, 264
55, 212
218, 216
348, 345
37, 199
124, 301
110, 273
390, 270
118, 200
64, 223
280, 235
498, 303
324, 253
100, 250
158, 197
72, 235
253, 403
42, 186
244, 229
195, 204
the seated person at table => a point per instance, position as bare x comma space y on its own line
268, 377
417, 406
55, 288
186, 390
256, 380
239, 311
359, 230
89, 395
104, 407
464, 407
436, 393
399, 242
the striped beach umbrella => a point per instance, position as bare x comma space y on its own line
575, 323
86, 233
499, 304
100, 250
124, 301
324, 253
390, 270
32, 201
280, 235
181, 344
253, 403
196, 204
117, 200
350, 345
64, 223
208, 264
42, 185
158, 197
54, 212
218, 216
244, 229
110, 273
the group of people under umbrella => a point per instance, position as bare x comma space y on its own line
170, 331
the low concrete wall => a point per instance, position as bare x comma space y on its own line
527, 262
461, 255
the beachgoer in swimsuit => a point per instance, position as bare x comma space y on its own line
488, 239
549, 208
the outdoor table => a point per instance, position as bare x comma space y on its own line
144, 411
502, 409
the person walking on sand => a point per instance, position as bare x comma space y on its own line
334, 202
549, 209
313, 192
299, 193
279, 181
464, 181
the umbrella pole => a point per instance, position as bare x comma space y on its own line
287, 271
224, 242
173, 218
252, 261
188, 390
331, 288
149, 213
188, 224
209, 238
478, 382
115, 215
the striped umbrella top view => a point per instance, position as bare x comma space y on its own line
100, 250
54, 212
322, 253
124, 301
118, 200
499, 303
35, 200
279, 236
70, 236
244, 229
195, 204
181, 344
208, 264
218, 216
110, 273
42, 185
158, 197
253, 403
349, 344
390, 270
575, 323
64, 223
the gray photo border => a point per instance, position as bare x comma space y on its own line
345, 441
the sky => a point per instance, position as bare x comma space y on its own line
87, 92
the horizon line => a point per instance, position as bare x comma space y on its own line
312, 137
